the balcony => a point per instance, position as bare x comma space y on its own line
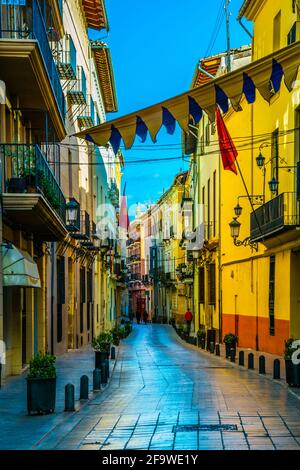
65, 59
76, 89
84, 232
278, 217
86, 116
32, 197
25, 53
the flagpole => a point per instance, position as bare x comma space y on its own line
248, 195
235, 154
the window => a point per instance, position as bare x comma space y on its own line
82, 296
292, 36
277, 31
272, 296
89, 297
61, 295
201, 285
212, 284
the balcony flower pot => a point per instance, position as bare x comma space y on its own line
292, 368
41, 384
16, 185
30, 183
230, 341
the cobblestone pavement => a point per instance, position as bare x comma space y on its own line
166, 396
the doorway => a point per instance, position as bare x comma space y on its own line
23, 326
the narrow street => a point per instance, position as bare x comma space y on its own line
165, 396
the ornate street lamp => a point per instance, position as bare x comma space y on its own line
274, 185
260, 161
72, 212
238, 210
235, 228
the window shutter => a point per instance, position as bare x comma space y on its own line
201, 286
212, 284
82, 286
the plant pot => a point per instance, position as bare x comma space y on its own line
41, 395
100, 358
17, 185
229, 346
292, 373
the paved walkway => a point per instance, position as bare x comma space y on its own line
19, 431
164, 395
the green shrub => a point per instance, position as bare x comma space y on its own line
201, 334
230, 338
42, 367
103, 341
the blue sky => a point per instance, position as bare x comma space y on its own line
155, 46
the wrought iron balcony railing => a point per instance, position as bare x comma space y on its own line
86, 117
66, 59
76, 89
26, 170
278, 215
25, 22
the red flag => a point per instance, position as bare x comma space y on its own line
124, 219
227, 148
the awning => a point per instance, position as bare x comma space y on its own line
19, 269
264, 75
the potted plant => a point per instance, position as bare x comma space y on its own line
16, 184
230, 341
180, 330
101, 345
30, 181
41, 384
201, 338
117, 334
292, 368
127, 328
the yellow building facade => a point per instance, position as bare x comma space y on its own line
256, 294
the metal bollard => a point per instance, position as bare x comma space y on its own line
218, 350
84, 387
97, 380
103, 375
107, 368
250, 361
262, 365
276, 373
212, 347
69, 397
241, 358
232, 355
113, 353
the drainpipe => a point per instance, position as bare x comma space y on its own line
245, 28
2, 139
